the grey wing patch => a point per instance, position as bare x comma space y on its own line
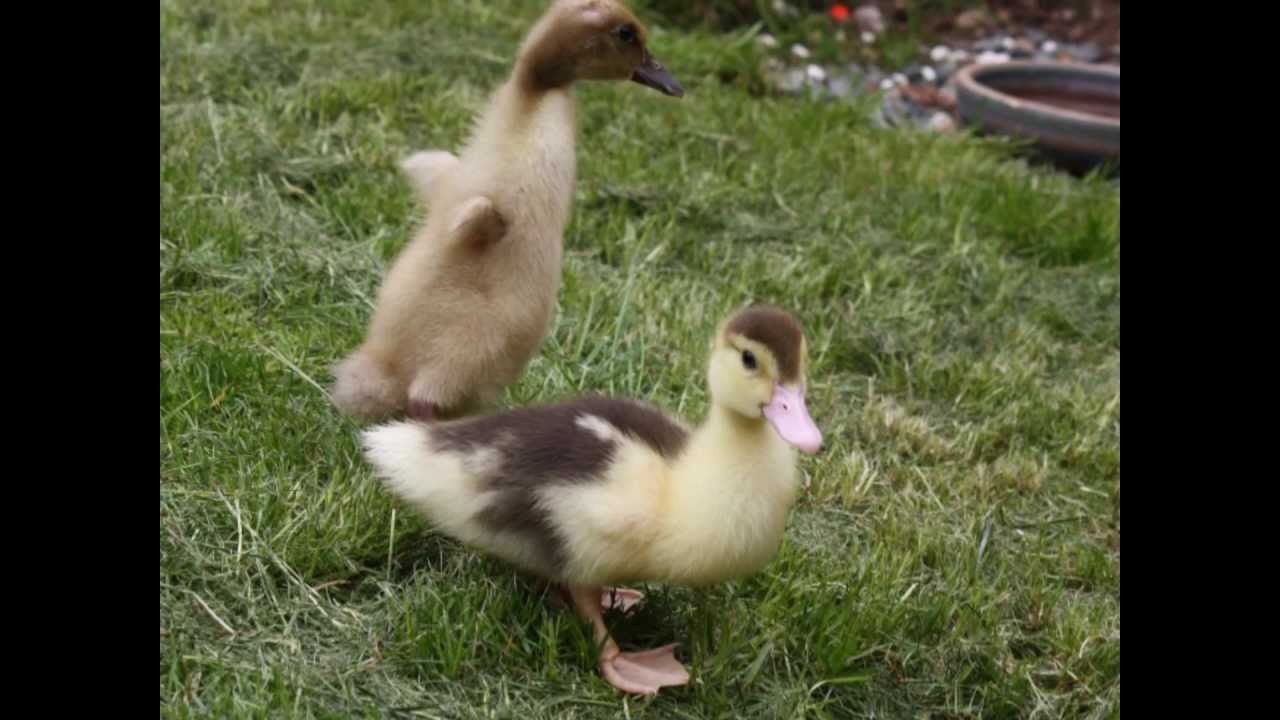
640, 421
537, 447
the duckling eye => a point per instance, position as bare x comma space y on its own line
748, 360
627, 33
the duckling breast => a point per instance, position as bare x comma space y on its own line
728, 513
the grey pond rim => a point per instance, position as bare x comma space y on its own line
1070, 111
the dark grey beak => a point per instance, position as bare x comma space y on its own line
652, 73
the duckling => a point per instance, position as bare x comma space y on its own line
467, 303
597, 492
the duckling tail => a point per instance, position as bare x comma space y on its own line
364, 388
435, 484
398, 452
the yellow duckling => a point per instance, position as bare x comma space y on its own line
467, 303
597, 492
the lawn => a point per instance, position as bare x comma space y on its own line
957, 551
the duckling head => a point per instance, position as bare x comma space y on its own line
757, 370
593, 40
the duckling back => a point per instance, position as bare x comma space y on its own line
468, 302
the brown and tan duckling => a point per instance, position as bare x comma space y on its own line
467, 303
599, 492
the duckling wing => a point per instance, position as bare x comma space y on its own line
477, 222
426, 171
554, 488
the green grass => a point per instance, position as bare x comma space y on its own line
957, 552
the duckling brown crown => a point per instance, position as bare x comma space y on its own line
777, 330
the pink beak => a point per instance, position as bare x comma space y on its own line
789, 417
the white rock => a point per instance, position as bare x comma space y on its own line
868, 38
815, 73
939, 53
1049, 46
928, 74
941, 122
791, 81
869, 18
886, 84
991, 58
900, 79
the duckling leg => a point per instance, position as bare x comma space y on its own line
423, 410
620, 598
422, 400
644, 672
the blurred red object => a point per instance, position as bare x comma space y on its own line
839, 12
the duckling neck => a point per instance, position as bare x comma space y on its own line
536, 75
543, 65
533, 101
731, 491
731, 428
524, 145
747, 453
